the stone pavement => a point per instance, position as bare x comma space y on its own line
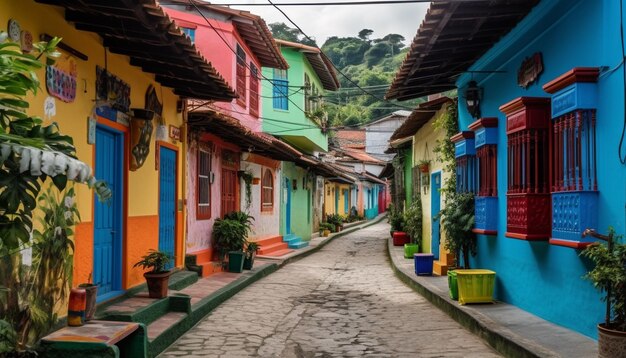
342, 301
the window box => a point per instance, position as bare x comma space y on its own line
486, 215
528, 154
574, 178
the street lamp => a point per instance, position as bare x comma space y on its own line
473, 95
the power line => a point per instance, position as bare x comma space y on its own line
192, 3
334, 66
337, 3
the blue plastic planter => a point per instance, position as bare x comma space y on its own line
423, 264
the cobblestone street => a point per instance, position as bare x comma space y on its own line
343, 301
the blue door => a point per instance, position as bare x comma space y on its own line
346, 202
167, 202
435, 200
287, 207
107, 249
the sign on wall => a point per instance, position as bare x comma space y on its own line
529, 70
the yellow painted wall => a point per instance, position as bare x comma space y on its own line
142, 193
424, 141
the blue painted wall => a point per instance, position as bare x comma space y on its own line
536, 276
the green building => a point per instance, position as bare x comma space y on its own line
292, 109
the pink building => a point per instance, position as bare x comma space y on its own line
225, 138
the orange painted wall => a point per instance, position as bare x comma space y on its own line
141, 202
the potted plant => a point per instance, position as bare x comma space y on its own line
92, 292
413, 227
336, 220
609, 276
423, 165
396, 220
157, 278
251, 250
229, 238
326, 228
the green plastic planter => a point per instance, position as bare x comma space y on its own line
235, 261
475, 286
248, 262
452, 285
410, 250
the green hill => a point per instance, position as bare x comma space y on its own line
361, 62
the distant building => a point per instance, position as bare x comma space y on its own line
377, 133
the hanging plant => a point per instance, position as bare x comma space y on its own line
247, 178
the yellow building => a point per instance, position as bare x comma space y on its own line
427, 180
103, 92
337, 199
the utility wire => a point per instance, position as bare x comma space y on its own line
337, 3
334, 66
192, 3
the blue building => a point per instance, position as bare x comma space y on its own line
542, 88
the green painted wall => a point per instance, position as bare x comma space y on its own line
292, 123
407, 155
301, 202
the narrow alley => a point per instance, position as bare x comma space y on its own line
343, 301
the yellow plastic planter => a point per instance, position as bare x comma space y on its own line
475, 286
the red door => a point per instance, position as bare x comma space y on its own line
229, 191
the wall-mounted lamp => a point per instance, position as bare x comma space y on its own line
473, 95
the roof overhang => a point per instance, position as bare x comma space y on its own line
252, 29
419, 117
142, 31
453, 35
320, 63
231, 130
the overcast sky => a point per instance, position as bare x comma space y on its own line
322, 22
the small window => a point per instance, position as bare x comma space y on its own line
267, 194
281, 88
254, 90
241, 76
190, 32
204, 183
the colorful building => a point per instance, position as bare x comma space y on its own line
134, 92
225, 140
426, 182
541, 115
292, 111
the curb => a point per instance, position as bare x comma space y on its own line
510, 345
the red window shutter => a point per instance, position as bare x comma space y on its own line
241, 84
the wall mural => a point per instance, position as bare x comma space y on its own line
113, 90
141, 128
61, 80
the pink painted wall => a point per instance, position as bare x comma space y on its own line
199, 231
222, 57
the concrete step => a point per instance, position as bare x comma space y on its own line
269, 249
279, 253
291, 238
298, 244
266, 241
201, 263
164, 323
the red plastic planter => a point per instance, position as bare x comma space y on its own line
400, 238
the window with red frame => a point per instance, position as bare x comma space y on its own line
241, 76
267, 191
487, 156
254, 90
204, 183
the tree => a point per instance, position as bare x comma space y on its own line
377, 53
365, 34
283, 32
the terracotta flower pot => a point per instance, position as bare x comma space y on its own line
157, 283
92, 293
611, 343
256, 181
